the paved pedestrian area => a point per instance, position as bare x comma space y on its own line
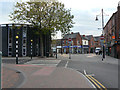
44, 62
41, 76
10, 78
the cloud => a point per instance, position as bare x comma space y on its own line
84, 12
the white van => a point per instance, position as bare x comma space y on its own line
97, 50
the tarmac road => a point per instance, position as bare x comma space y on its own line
106, 72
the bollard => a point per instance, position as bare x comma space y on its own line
0, 67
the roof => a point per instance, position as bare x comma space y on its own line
89, 37
84, 37
67, 36
97, 38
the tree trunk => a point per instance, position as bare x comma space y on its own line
51, 53
41, 45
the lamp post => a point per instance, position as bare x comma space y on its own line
31, 47
103, 55
17, 49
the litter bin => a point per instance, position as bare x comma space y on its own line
0, 67
47, 54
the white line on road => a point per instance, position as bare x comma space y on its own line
85, 72
88, 79
66, 64
89, 74
93, 86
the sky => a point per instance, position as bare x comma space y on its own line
84, 12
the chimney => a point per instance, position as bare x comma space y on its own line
71, 32
83, 35
119, 3
118, 8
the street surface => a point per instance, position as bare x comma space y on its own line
41, 73
106, 72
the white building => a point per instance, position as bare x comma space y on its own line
85, 44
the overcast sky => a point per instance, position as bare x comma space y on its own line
84, 12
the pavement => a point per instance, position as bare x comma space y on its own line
42, 73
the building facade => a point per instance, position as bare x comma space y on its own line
73, 45
97, 41
85, 44
91, 43
25, 33
112, 35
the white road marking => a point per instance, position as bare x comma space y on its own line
66, 64
88, 74
85, 72
85, 78
91, 75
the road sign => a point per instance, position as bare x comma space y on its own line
69, 39
102, 37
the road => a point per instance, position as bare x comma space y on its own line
106, 72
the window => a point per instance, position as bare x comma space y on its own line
10, 54
24, 41
24, 50
10, 49
66, 42
10, 41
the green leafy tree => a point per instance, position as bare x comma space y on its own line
46, 17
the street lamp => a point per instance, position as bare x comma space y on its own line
17, 49
103, 55
31, 47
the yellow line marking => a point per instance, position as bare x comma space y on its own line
95, 83
99, 83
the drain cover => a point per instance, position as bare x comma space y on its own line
18, 72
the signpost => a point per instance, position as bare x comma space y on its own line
102, 39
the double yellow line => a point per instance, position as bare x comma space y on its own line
97, 83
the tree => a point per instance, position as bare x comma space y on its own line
47, 17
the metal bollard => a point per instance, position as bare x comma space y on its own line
0, 68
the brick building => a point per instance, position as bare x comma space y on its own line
112, 34
91, 43
74, 45
97, 42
